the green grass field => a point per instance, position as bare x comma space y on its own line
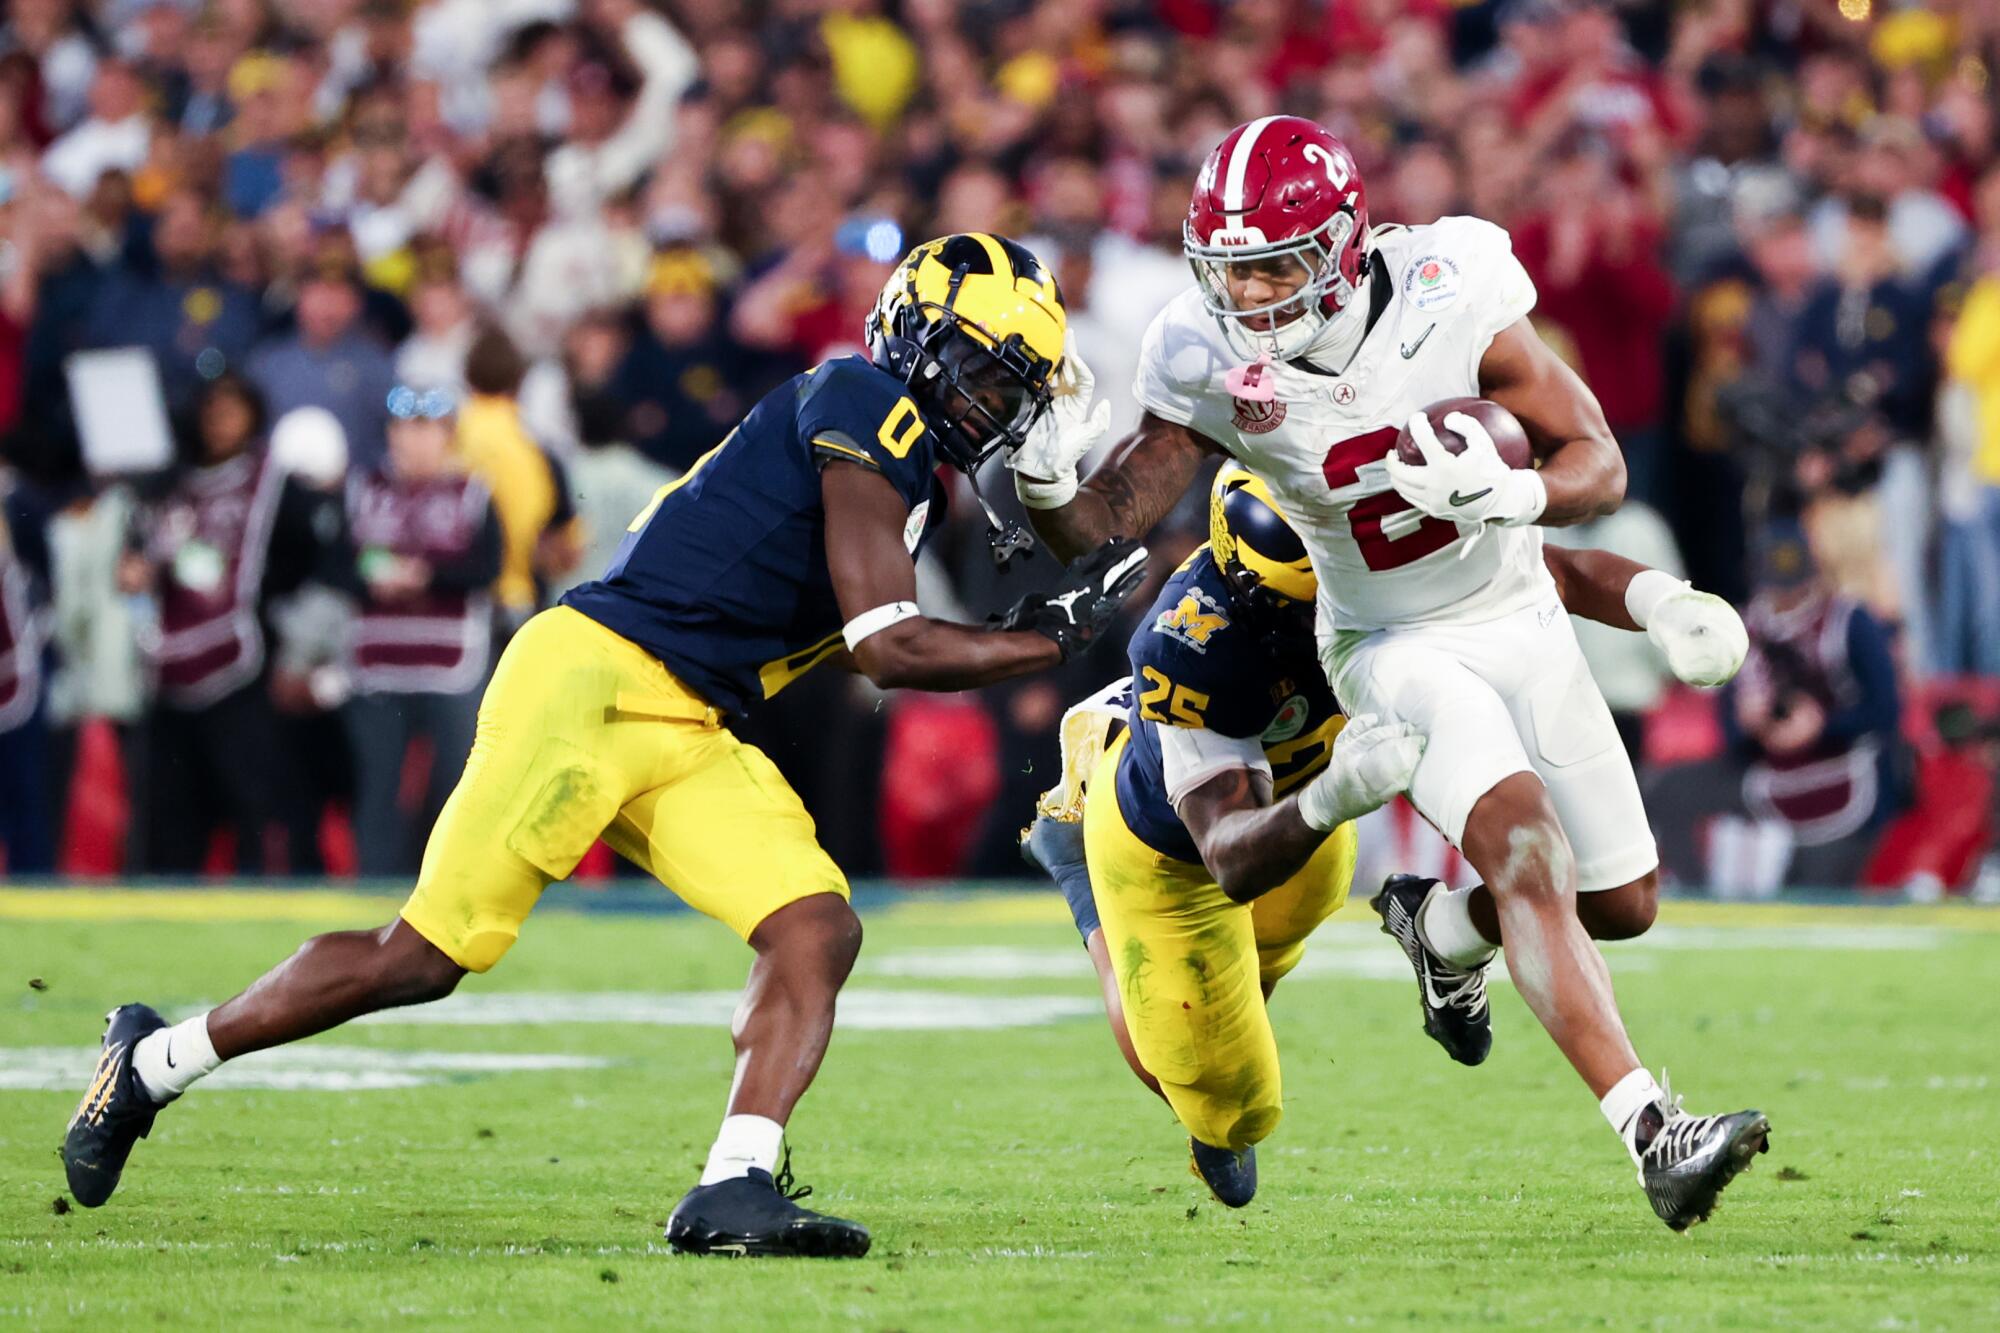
511, 1163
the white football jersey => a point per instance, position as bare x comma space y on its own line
1455, 284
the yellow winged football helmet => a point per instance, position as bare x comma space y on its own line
973, 324
1261, 556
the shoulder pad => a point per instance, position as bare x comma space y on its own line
1192, 613
1436, 267
848, 379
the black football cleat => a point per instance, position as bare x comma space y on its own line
757, 1215
1456, 1014
115, 1111
1230, 1176
1691, 1158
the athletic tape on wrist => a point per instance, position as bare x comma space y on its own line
1316, 801
1038, 494
873, 622
1648, 588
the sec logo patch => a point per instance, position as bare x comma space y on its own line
1254, 418
1431, 282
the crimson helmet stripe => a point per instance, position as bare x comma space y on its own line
1239, 164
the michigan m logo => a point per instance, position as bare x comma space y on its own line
1193, 620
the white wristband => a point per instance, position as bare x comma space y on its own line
1535, 499
873, 622
1038, 494
1648, 588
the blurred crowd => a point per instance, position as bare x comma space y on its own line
512, 264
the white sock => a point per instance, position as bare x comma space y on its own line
1628, 1097
1446, 925
744, 1141
169, 1060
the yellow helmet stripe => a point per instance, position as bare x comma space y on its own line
1002, 266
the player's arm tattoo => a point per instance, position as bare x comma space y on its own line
1581, 463
1592, 584
1250, 847
1129, 492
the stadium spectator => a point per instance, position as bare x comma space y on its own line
1599, 279
612, 141
116, 136
1893, 170
230, 534
1968, 426
685, 380
27, 843
313, 625
1860, 335
165, 295
428, 551
1814, 755
1968, 599
445, 318
538, 540
1735, 144
609, 479
332, 361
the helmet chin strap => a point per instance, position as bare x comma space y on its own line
1007, 540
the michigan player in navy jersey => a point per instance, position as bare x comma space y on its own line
1214, 818
789, 545
1200, 833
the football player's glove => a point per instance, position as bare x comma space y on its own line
1075, 614
1473, 486
1700, 634
1045, 467
1372, 761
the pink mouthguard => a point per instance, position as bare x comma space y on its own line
1253, 383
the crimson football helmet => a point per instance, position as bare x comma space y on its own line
1280, 190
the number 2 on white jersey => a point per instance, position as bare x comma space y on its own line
1365, 520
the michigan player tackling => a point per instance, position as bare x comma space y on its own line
1192, 878
788, 545
1306, 344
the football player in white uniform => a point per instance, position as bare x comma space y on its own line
1308, 342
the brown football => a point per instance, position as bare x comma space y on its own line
1509, 440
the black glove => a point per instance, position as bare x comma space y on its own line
1091, 592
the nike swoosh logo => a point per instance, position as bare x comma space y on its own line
1458, 498
1409, 349
1431, 998
171, 1062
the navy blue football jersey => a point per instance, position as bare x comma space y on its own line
723, 576
1195, 664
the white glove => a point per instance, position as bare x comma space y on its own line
1701, 635
1045, 467
1372, 761
1475, 486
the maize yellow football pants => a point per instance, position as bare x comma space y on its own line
584, 734
1193, 966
